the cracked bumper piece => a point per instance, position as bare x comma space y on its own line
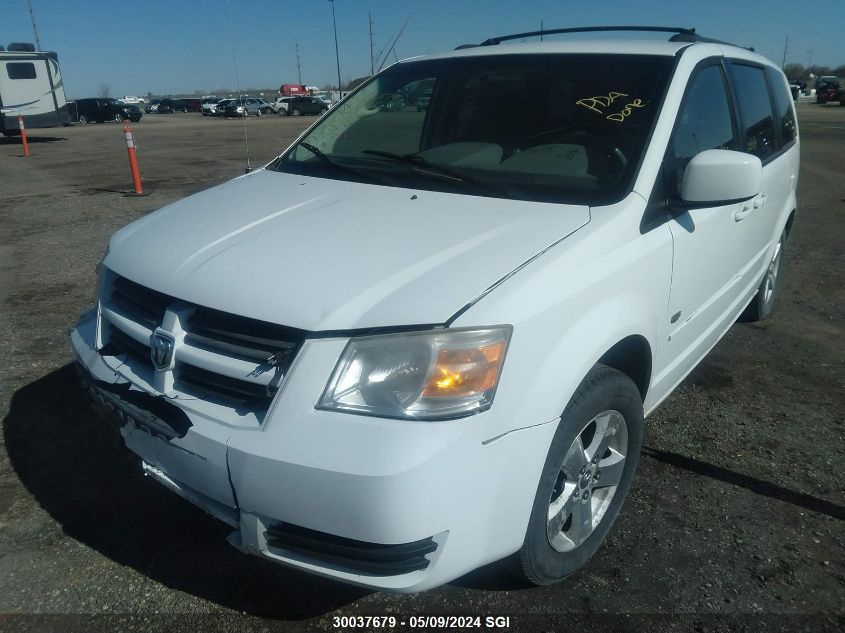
384, 504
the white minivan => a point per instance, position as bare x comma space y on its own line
424, 339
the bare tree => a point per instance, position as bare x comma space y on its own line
104, 90
795, 72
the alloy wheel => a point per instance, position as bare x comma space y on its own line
588, 478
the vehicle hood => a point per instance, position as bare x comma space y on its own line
321, 254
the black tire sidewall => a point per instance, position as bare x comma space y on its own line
603, 389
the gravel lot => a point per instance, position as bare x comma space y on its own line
735, 520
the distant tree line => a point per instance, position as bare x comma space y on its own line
795, 72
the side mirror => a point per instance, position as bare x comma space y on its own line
719, 176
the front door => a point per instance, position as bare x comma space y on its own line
713, 247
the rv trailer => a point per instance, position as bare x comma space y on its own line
30, 85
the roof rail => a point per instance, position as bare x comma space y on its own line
694, 37
589, 29
681, 34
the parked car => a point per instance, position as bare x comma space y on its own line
131, 100
134, 112
193, 105
209, 105
169, 106
152, 106
417, 343
220, 109
247, 106
827, 89
305, 105
280, 105
108, 109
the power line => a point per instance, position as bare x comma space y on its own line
298, 65
372, 58
336, 52
34, 28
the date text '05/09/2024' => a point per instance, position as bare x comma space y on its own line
369, 622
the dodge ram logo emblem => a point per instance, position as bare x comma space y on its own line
161, 350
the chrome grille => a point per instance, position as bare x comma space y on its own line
223, 359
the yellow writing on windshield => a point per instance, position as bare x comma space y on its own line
602, 103
597, 104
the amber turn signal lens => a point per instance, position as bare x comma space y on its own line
465, 372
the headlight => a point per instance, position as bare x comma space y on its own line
432, 375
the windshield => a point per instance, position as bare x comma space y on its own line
551, 127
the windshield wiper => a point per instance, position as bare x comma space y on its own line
328, 162
425, 167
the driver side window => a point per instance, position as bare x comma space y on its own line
704, 122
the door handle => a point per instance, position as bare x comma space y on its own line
749, 207
743, 212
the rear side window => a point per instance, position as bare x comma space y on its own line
783, 106
20, 70
755, 108
705, 122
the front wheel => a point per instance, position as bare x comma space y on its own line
588, 471
258, 112
118, 118
296, 112
83, 119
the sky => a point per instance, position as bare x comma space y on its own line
180, 46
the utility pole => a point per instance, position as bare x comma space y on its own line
541, 30
372, 57
34, 29
785, 48
298, 65
336, 52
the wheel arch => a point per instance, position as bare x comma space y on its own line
633, 357
789, 222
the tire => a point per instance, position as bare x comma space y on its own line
296, 112
763, 304
323, 111
83, 119
118, 118
606, 414
258, 112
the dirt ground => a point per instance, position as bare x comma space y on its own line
735, 520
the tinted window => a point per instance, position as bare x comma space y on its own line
705, 122
783, 106
551, 127
20, 70
755, 108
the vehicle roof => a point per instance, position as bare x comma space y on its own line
610, 46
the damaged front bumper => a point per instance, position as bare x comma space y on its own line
388, 505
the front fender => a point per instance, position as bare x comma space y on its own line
570, 306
